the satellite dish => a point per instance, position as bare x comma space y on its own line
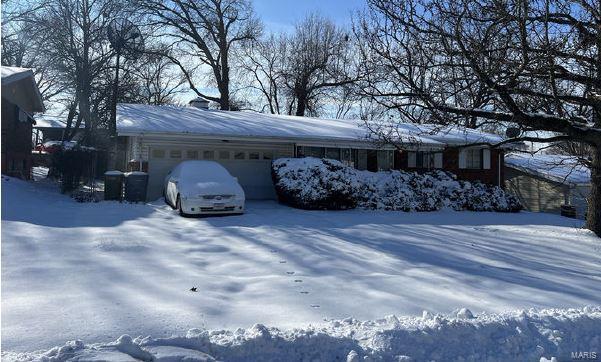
125, 37
512, 132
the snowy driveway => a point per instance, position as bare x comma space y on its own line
96, 271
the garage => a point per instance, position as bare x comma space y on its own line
251, 164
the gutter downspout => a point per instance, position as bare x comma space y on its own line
499, 169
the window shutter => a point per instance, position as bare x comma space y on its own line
486, 159
462, 159
411, 159
438, 160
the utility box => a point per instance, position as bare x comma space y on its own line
136, 184
568, 211
113, 185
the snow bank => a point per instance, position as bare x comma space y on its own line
312, 183
518, 335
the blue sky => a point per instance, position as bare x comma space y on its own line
283, 14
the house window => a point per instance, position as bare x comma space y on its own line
345, 157
224, 155
175, 154
192, 154
332, 153
384, 160
361, 159
253, 155
372, 160
208, 155
239, 155
158, 153
424, 159
473, 158
306, 151
268, 155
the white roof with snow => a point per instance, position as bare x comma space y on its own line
19, 87
14, 74
135, 119
52, 121
558, 168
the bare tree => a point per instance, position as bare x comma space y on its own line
21, 49
297, 73
320, 59
153, 80
537, 65
75, 45
264, 63
208, 33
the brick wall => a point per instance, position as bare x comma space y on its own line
16, 142
450, 160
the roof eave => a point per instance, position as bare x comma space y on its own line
267, 138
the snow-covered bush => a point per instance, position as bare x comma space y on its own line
312, 183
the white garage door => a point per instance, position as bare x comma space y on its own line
252, 167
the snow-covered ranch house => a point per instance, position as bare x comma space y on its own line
160, 137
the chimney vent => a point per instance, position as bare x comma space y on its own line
200, 103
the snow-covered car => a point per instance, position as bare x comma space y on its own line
54, 146
203, 187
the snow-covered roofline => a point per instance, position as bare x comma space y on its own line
21, 93
137, 119
14, 74
557, 168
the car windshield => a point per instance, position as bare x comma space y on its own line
204, 171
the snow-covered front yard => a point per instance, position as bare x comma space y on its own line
97, 271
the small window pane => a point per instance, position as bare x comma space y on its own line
318, 152
158, 153
268, 155
362, 159
239, 155
224, 155
175, 153
192, 154
384, 160
474, 158
253, 155
333, 153
208, 155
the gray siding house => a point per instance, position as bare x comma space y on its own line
545, 182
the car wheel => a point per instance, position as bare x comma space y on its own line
167, 200
178, 206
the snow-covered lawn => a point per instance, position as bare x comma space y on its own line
97, 271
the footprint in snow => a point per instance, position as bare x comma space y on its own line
314, 305
289, 273
298, 281
304, 292
274, 251
282, 261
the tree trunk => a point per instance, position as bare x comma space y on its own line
593, 218
301, 103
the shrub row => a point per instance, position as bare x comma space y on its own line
311, 183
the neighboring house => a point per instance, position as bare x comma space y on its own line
20, 100
52, 128
545, 182
246, 142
